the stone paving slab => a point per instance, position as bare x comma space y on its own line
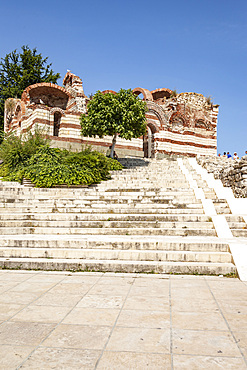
92, 320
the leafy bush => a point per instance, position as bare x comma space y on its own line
16, 150
11, 151
8, 174
95, 161
112, 164
46, 155
50, 167
90, 159
34, 159
48, 175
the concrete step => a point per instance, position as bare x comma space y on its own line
145, 191
106, 193
239, 232
182, 209
105, 217
10, 184
126, 255
148, 178
221, 206
145, 219
104, 205
106, 224
100, 200
97, 196
145, 183
117, 266
114, 242
106, 231
234, 218
237, 225
149, 174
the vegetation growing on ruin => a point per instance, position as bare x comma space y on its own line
173, 93
30, 156
20, 70
209, 100
121, 114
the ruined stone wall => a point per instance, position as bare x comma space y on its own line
183, 124
191, 127
232, 173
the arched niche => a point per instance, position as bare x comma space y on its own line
201, 124
46, 94
156, 109
177, 122
159, 95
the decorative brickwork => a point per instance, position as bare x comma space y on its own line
109, 91
147, 96
183, 124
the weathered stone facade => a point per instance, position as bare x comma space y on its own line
232, 173
51, 107
183, 124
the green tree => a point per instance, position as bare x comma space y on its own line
19, 70
121, 114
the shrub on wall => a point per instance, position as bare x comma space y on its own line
34, 159
17, 150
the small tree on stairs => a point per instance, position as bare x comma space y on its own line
121, 114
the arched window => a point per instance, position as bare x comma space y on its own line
177, 123
201, 124
57, 120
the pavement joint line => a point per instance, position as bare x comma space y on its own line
112, 350
32, 301
213, 356
171, 328
226, 322
52, 330
114, 325
17, 303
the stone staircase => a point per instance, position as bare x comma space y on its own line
220, 205
237, 225
145, 219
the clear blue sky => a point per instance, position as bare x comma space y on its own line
191, 45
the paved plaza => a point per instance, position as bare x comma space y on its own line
63, 320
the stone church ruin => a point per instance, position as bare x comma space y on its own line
182, 124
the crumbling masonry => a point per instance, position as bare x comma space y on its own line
183, 124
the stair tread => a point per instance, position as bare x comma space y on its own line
78, 260
155, 204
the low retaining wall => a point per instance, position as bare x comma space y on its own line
232, 173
